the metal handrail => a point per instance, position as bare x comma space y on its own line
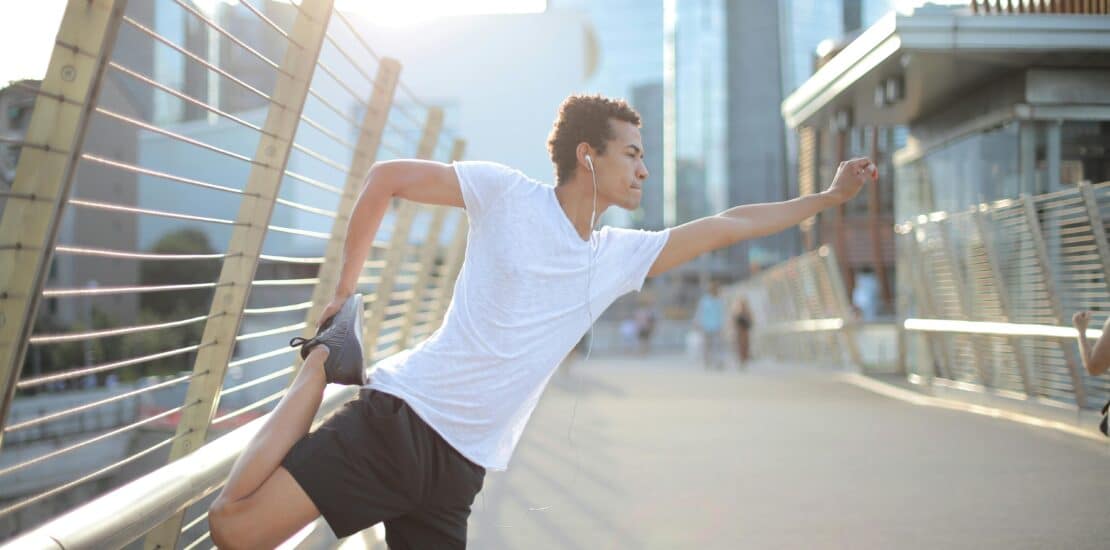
951, 326
127, 513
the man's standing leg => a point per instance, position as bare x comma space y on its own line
712, 354
705, 346
262, 505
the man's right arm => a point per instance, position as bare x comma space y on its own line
422, 181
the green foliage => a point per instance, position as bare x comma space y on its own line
155, 307
186, 302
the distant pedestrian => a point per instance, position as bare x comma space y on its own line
645, 326
629, 334
742, 322
709, 318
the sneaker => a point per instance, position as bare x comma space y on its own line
342, 334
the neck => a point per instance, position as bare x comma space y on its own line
576, 197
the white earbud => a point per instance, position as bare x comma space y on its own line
590, 162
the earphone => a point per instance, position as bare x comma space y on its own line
589, 329
589, 272
589, 311
593, 209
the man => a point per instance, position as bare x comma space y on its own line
411, 451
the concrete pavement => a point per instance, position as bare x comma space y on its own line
664, 454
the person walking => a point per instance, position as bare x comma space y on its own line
644, 318
709, 319
742, 323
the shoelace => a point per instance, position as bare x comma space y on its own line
298, 341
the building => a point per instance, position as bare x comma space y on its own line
994, 104
808, 32
647, 99
17, 101
86, 227
756, 139
727, 144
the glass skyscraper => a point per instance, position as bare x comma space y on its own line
696, 84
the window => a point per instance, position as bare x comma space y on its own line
1084, 152
16, 116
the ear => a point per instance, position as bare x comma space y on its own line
581, 151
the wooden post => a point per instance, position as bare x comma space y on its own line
44, 176
275, 143
840, 230
1003, 299
455, 254
399, 242
1034, 225
874, 206
808, 144
423, 277
963, 297
1094, 218
370, 138
938, 343
446, 270
848, 335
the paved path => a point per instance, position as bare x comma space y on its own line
666, 455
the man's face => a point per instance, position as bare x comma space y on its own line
621, 171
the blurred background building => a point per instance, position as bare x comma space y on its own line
961, 104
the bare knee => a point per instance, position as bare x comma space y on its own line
221, 525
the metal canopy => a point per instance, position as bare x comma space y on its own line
933, 56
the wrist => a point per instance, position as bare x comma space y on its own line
830, 198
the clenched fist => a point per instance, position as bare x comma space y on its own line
850, 177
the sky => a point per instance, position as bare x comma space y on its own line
26, 41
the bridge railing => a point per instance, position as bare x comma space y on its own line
985, 298
801, 311
177, 215
993, 290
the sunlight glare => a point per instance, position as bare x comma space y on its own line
393, 13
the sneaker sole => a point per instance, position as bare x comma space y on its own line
353, 307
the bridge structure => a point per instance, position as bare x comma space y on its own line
162, 241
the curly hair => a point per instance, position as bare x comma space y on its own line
584, 118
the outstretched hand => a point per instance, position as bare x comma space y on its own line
850, 177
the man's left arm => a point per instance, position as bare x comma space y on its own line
752, 221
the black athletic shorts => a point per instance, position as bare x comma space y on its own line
375, 460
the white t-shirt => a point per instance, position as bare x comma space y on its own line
519, 307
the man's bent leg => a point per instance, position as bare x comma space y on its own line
257, 471
288, 422
272, 514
